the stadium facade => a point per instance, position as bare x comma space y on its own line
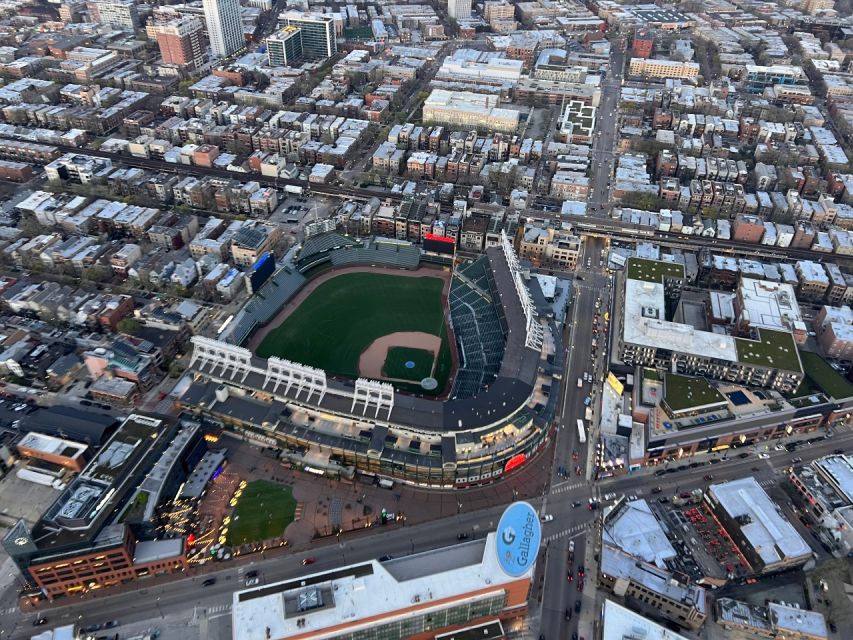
498, 414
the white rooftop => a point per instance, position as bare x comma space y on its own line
770, 534
370, 590
770, 304
620, 623
839, 470
635, 530
794, 621
50, 444
645, 324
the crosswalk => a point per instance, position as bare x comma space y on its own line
769, 482
568, 486
8, 612
571, 531
221, 608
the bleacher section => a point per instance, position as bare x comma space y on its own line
264, 305
380, 251
479, 332
318, 249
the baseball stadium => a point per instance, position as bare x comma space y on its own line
387, 359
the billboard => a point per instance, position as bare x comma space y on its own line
261, 271
617, 386
439, 244
518, 538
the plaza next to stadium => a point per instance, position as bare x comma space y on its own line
496, 415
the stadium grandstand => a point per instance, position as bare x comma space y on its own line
496, 417
262, 307
478, 328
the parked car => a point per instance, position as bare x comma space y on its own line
308, 561
462, 536
577, 606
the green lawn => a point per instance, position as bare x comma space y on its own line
344, 315
824, 376
653, 270
263, 511
399, 357
774, 350
686, 392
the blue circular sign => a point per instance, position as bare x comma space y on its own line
518, 538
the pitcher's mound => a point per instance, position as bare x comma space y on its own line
407, 356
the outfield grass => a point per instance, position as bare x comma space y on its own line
263, 511
344, 315
395, 363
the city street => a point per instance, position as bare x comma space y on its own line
606, 135
184, 596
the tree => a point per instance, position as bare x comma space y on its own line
128, 325
95, 273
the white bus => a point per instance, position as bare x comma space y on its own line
581, 432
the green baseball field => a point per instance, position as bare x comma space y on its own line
344, 315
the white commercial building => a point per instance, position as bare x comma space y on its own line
632, 527
472, 588
224, 26
119, 13
459, 9
765, 538
469, 110
773, 305
620, 623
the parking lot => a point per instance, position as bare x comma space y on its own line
705, 549
23, 499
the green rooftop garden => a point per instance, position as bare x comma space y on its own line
825, 377
653, 270
681, 393
773, 350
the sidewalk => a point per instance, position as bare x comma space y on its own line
591, 600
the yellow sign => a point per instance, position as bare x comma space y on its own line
618, 387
